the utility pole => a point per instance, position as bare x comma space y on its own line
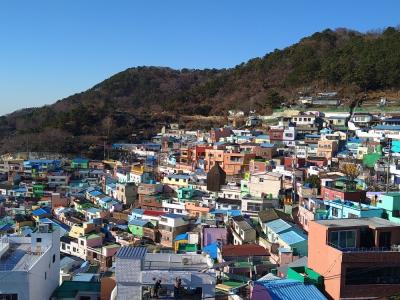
294, 165
389, 145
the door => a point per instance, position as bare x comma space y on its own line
385, 239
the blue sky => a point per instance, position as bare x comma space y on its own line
52, 49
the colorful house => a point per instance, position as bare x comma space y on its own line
143, 228
180, 180
390, 203
80, 163
185, 193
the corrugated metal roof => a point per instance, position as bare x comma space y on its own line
292, 237
288, 289
138, 222
132, 252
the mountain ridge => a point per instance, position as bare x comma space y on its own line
137, 101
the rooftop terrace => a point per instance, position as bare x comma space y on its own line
18, 256
357, 222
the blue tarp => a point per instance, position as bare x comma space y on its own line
212, 250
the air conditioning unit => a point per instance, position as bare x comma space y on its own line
185, 261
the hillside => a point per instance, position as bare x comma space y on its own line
140, 100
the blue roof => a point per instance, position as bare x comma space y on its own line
292, 237
356, 140
86, 277
138, 211
106, 199
182, 236
41, 211
386, 127
262, 136
278, 225
212, 250
20, 190
312, 135
289, 289
138, 222
392, 120
95, 193
6, 227
228, 212
284, 250
267, 145
173, 216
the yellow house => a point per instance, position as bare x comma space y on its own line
177, 179
81, 230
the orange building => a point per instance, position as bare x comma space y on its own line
196, 209
327, 148
233, 163
358, 258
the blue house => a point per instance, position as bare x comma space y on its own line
287, 235
338, 209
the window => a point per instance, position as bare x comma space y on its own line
343, 239
38, 240
376, 275
352, 216
45, 275
335, 211
82, 243
63, 246
54, 258
8, 296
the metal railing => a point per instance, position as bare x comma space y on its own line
393, 248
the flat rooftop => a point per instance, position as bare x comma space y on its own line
19, 257
175, 262
357, 222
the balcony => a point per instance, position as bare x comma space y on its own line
393, 248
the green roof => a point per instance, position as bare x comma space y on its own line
112, 246
69, 289
188, 247
92, 236
234, 284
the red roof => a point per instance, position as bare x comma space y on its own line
153, 213
244, 250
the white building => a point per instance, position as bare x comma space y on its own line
30, 266
136, 270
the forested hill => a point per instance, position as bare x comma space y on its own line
141, 99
